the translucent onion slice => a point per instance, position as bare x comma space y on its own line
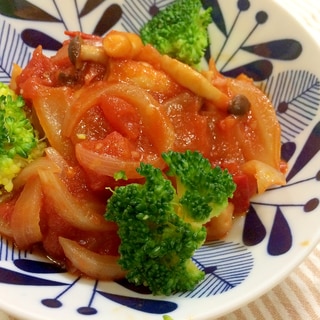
31, 170
5, 227
26, 214
97, 266
51, 105
259, 138
108, 165
105, 164
156, 124
265, 174
57, 158
80, 214
6, 207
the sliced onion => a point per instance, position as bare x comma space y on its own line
80, 214
7, 203
57, 158
107, 165
156, 124
26, 214
265, 174
97, 266
31, 170
51, 105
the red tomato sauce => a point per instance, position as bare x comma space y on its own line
109, 126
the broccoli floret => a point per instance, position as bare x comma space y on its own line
158, 228
18, 140
202, 191
120, 175
180, 31
166, 317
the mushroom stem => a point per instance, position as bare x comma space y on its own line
80, 52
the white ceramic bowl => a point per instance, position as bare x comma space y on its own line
281, 227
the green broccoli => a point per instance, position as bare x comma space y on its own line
166, 317
18, 140
180, 31
202, 191
161, 227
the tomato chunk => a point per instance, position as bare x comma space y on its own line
246, 188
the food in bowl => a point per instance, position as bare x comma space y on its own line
103, 110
